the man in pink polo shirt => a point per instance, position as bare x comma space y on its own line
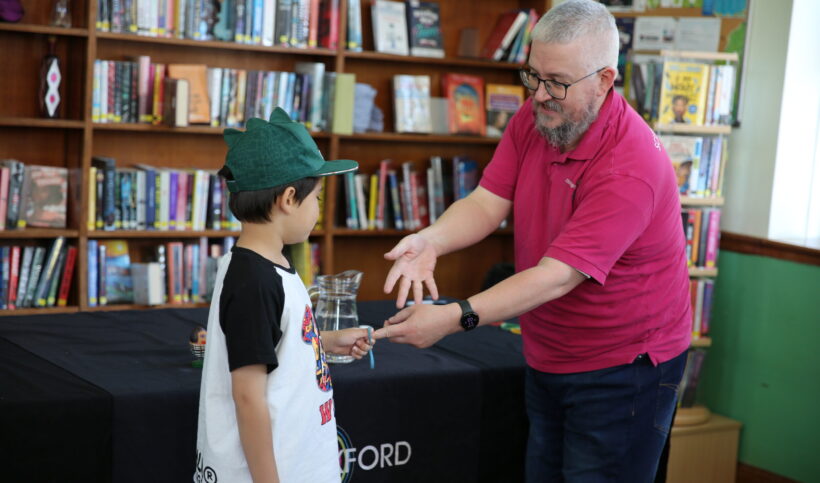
601, 284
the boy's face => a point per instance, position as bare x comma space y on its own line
304, 217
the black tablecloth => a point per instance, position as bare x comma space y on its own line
112, 396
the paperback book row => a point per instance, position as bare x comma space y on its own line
671, 92
701, 291
701, 226
699, 163
177, 272
691, 376
305, 257
287, 23
149, 198
31, 195
140, 91
465, 108
405, 200
36, 276
411, 27
510, 38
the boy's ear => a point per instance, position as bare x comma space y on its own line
287, 200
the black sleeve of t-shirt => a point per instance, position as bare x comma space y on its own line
250, 317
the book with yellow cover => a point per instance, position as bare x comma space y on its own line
502, 102
683, 93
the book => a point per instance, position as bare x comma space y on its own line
67, 276
48, 273
147, 281
411, 97
424, 29
15, 189
93, 273
389, 27
329, 24
503, 33
199, 107
683, 92
176, 102
106, 169
354, 26
36, 268
502, 101
117, 281
343, 105
14, 276
44, 203
4, 195
685, 154
465, 100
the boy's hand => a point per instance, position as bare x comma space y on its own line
345, 342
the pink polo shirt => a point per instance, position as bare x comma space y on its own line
610, 209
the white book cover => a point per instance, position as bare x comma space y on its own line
412, 103
390, 27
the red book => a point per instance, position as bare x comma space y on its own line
313, 24
329, 26
14, 276
503, 33
465, 101
4, 195
68, 273
419, 180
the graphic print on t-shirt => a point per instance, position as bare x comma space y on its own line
311, 336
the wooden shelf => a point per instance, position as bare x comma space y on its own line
215, 44
41, 122
453, 61
690, 201
38, 233
701, 342
418, 138
105, 308
43, 29
680, 128
703, 272
161, 233
194, 129
40, 310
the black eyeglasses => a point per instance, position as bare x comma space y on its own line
556, 90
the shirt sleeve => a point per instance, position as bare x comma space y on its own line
501, 173
607, 221
250, 318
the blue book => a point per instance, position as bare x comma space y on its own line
395, 199
4, 275
93, 273
172, 200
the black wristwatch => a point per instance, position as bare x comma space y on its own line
469, 319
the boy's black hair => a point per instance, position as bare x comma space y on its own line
255, 206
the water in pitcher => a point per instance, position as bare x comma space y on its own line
335, 312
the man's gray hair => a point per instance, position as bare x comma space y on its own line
582, 19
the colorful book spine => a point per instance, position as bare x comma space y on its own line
67, 277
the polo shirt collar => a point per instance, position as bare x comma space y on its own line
591, 140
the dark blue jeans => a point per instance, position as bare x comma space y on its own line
605, 425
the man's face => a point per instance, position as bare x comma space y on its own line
562, 122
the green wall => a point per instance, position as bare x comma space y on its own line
763, 368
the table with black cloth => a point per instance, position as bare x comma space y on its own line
112, 396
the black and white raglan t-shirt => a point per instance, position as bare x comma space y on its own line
261, 314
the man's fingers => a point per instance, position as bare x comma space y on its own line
397, 250
431, 287
392, 276
418, 292
404, 289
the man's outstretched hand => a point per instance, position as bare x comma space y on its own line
414, 259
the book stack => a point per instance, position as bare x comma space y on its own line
699, 163
286, 23
32, 196
701, 226
510, 38
149, 198
402, 197
36, 276
679, 92
701, 291
180, 272
134, 91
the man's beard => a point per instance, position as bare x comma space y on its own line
567, 132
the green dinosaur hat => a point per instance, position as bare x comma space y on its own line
275, 152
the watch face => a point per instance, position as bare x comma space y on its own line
469, 321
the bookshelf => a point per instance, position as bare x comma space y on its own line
72, 139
